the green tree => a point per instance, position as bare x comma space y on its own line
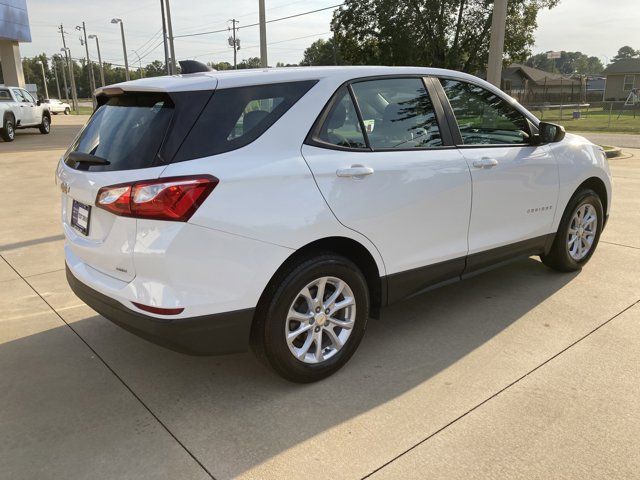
220, 65
625, 53
321, 52
252, 62
155, 69
568, 63
448, 33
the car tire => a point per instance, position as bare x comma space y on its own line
67, 111
578, 233
8, 132
278, 318
45, 126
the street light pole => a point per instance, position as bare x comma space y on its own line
74, 94
263, 34
44, 80
99, 60
124, 46
496, 44
92, 80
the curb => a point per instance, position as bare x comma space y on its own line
612, 152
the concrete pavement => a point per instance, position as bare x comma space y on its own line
521, 372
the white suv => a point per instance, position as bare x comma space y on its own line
282, 208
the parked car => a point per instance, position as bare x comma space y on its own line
282, 208
57, 106
18, 109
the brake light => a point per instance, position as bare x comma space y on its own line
173, 198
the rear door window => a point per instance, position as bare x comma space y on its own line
235, 117
5, 96
398, 113
127, 130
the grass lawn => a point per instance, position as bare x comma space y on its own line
596, 120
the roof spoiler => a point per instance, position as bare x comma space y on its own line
193, 66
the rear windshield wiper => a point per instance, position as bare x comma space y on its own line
87, 159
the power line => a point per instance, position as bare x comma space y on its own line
256, 24
270, 43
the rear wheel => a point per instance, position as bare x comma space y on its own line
313, 318
8, 131
578, 233
45, 126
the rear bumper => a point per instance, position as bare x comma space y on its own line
219, 333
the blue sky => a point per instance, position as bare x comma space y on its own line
595, 27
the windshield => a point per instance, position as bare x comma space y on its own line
127, 130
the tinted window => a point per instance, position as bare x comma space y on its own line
483, 117
127, 131
5, 96
341, 126
398, 113
235, 117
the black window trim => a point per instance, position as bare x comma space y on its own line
532, 121
429, 82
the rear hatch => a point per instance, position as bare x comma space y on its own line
132, 136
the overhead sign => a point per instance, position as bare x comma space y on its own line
553, 55
14, 21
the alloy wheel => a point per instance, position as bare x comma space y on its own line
582, 231
320, 320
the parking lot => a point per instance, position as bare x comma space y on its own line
518, 373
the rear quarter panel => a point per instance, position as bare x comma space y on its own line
266, 190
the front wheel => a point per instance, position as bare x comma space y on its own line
578, 233
67, 111
45, 126
312, 319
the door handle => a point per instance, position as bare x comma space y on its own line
355, 171
485, 162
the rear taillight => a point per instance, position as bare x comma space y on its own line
173, 198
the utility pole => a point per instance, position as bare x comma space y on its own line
263, 34
234, 42
164, 39
55, 74
172, 51
496, 44
92, 80
124, 47
64, 82
99, 60
44, 79
67, 56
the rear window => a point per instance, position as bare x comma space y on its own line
127, 130
235, 117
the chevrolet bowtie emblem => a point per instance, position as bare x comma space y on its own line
64, 186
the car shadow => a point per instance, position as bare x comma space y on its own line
234, 414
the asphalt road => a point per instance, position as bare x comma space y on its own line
521, 372
623, 140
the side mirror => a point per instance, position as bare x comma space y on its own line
550, 132
38, 103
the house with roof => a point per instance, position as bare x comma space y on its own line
534, 86
622, 77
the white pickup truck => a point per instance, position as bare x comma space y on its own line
18, 109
